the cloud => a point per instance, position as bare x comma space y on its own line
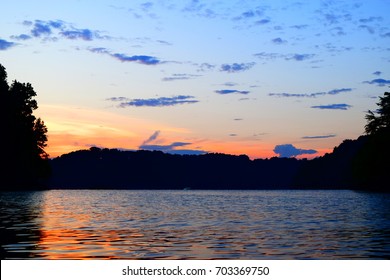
245, 15
84, 34
288, 150
262, 21
314, 94
385, 35
21, 37
334, 15
52, 28
236, 67
27, 22
248, 14
141, 59
378, 82
279, 41
251, 14
152, 137
230, 91
154, 102
162, 42
206, 67
335, 49
370, 29
147, 5
370, 19
170, 148
176, 77
299, 57
319, 136
268, 56
5, 45
199, 8
342, 106
194, 6
117, 99
230, 84
99, 50
144, 9
338, 30
291, 56
339, 90
42, 28
377, 73
300, 26
284, 94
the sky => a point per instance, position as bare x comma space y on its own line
261, 78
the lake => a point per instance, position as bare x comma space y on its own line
191, 224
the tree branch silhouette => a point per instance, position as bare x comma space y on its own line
24, 161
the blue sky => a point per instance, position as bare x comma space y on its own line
263, 78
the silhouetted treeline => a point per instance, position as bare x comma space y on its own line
352, 165
361, 164
358, 164
104, 168
23, 163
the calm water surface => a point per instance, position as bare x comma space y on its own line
126, 224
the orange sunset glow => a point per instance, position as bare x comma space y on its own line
75, 128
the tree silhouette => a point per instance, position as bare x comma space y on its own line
24, 160
381, 119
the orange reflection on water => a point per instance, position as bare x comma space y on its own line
70, 233
76, 244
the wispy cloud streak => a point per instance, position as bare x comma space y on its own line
154, 102
290, 56
152, 138
5, 45
319, 136
313, 94
231, 91
378, 82
52, 29
141, 59
341, 106
236, 67
176, 77
151, 145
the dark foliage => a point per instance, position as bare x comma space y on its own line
362, 164
24, 162
371, 164
334, 170
379, 120
104, 168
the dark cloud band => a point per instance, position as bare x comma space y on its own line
342, 106
313, 94
319, 136
288, 150
236, 67
5, 45
378, 82
231, 91
154, 102
141, 59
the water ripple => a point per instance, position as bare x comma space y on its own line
110, 224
